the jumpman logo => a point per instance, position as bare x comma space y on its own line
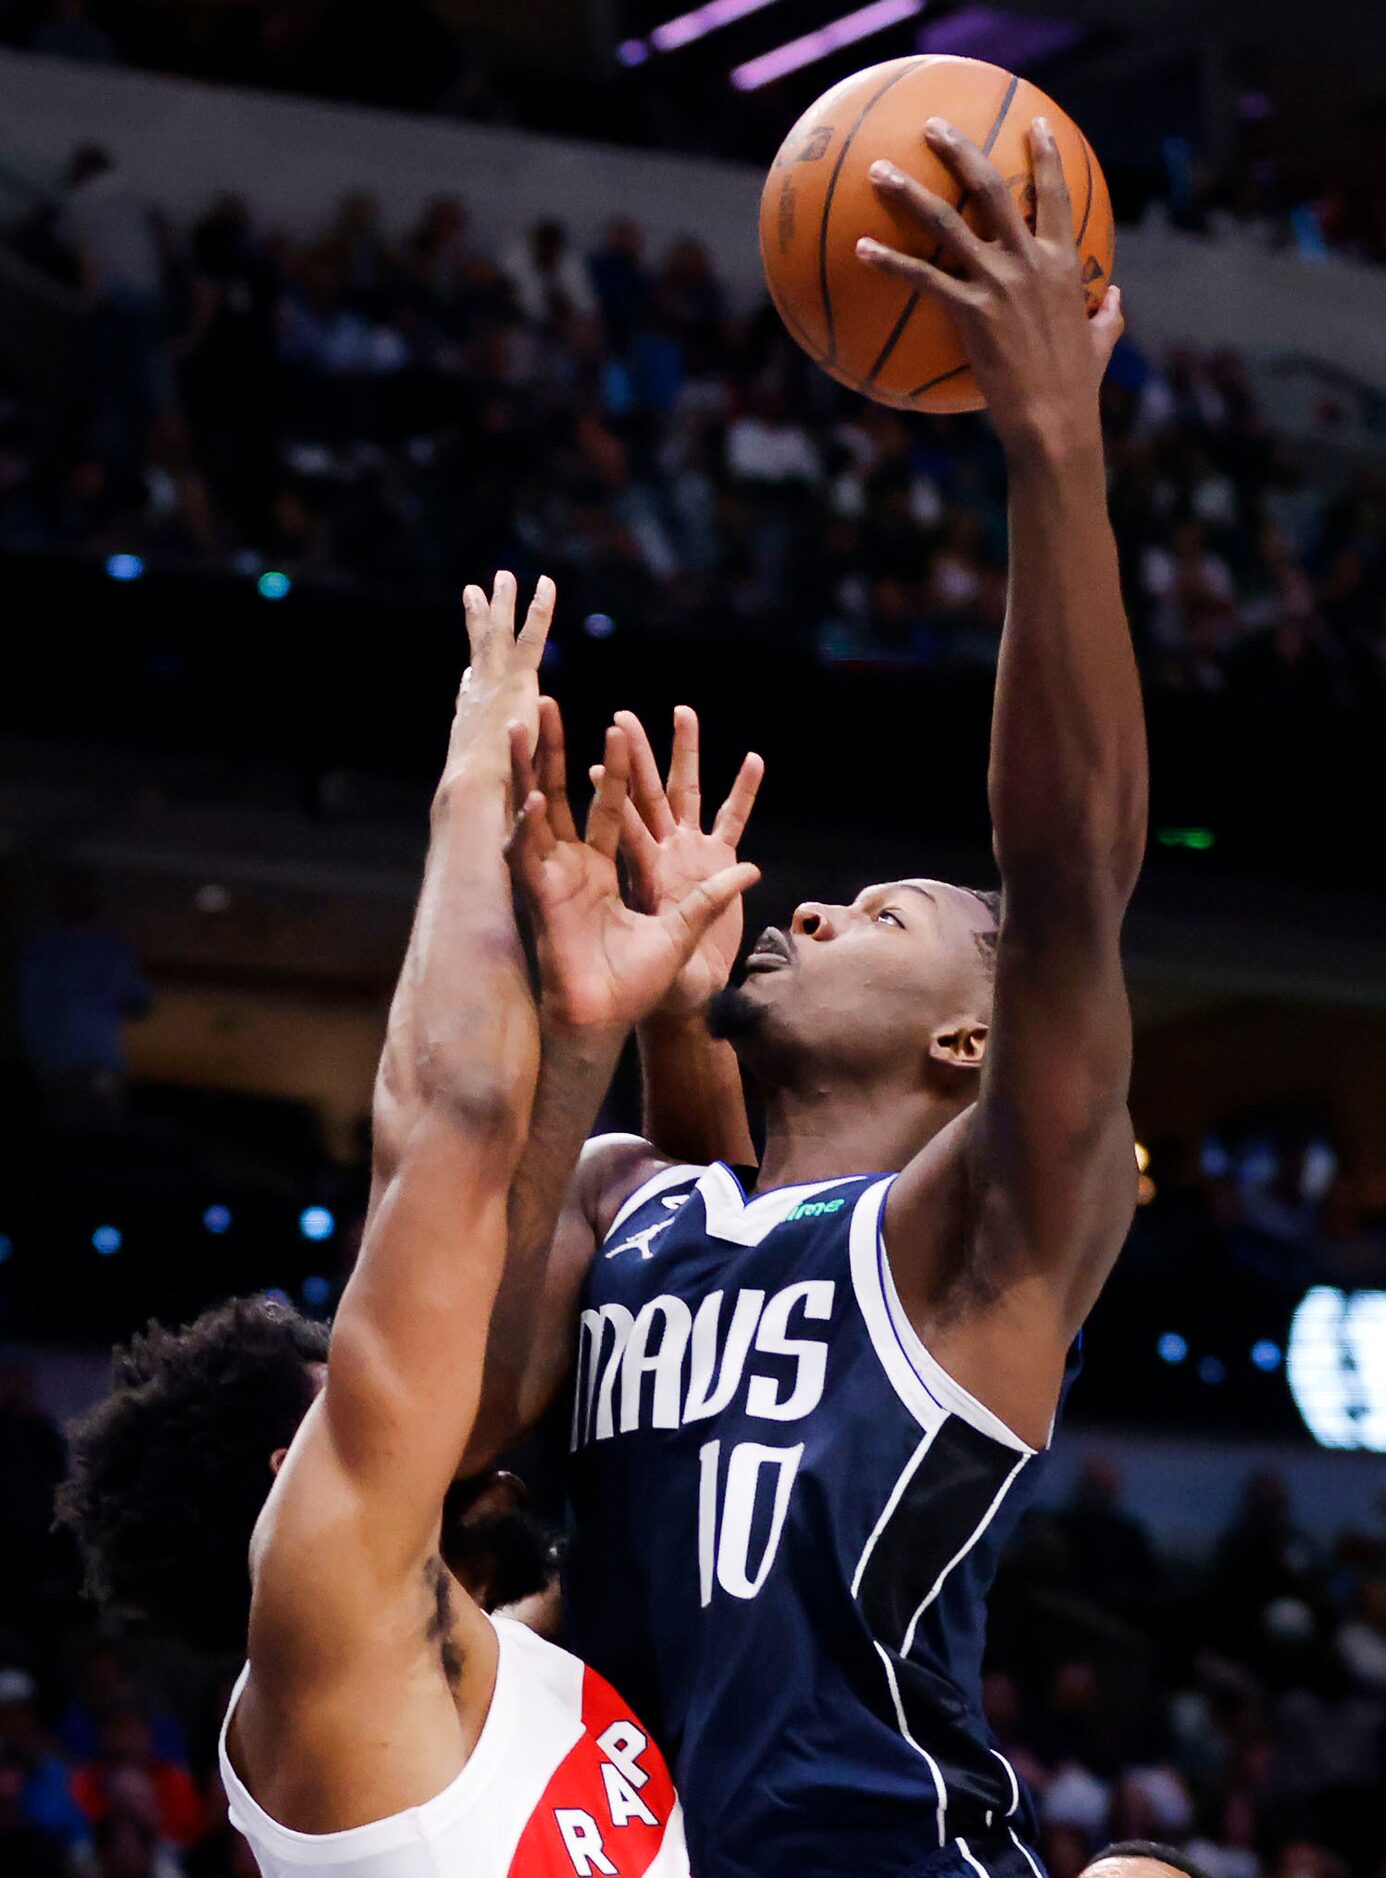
642, 1241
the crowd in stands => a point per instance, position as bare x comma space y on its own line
333, 49
1234, 1705
395, 413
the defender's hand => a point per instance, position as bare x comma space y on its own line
602, 964
667, 853
1019, 302
500, 686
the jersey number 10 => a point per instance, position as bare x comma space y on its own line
727, 1505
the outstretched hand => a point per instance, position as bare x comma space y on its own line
603, 965
500, 686
1018, 299
667, 853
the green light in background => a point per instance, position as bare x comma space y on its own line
1200, 839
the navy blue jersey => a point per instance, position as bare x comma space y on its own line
787, 1518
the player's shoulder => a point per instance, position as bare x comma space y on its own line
613, 1170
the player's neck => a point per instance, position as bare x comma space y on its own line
826, 1134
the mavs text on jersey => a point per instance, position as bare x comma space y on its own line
787, 1520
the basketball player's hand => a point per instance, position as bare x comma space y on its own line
1017, 297
667, 853
603, 965
500, 686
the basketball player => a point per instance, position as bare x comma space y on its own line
810, 1404
384, 1725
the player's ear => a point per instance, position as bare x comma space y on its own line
959, 1046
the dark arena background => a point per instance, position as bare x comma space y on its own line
311, 310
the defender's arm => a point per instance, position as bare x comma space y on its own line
694, 1106
355, 1511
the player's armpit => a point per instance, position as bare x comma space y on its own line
1002, 1232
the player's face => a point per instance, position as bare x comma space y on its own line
871, 984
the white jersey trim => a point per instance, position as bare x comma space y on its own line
425, 1821
746, 1220
908, 1643
921, 1383
975, 1863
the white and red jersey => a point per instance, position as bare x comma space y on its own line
562, 1783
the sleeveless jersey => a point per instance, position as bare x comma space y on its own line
787, 1518
562, 1782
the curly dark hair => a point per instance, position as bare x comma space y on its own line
168, 1474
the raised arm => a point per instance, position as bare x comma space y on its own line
355, 1512
604, 967
694, 1104
1041, 1172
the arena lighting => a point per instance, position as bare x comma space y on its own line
6, 1247
106, 1240
316, 1222
217, 1219
1172, 1347
1200, 839
632, 52
1266, 1355
1336, 1367
1142, 1157
1212, 1370
599, 625
272, 585
812, 46
316, 1292
1015, 40
701, 21
124, 567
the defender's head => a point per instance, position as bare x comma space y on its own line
895, 987
167, 1476
1142, 1858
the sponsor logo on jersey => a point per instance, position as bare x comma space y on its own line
815, 1209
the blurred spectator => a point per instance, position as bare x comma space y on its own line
1361, 1641
127, 1777
550, 281
33, 1456
26, 1850
1112, 1557
79, 983
120, 268
47, 1800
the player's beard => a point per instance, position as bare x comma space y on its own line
733, 1016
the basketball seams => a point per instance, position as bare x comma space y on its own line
866, 110
953, 371
796, 258
897, 332
1087, 207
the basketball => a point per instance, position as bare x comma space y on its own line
872, 333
